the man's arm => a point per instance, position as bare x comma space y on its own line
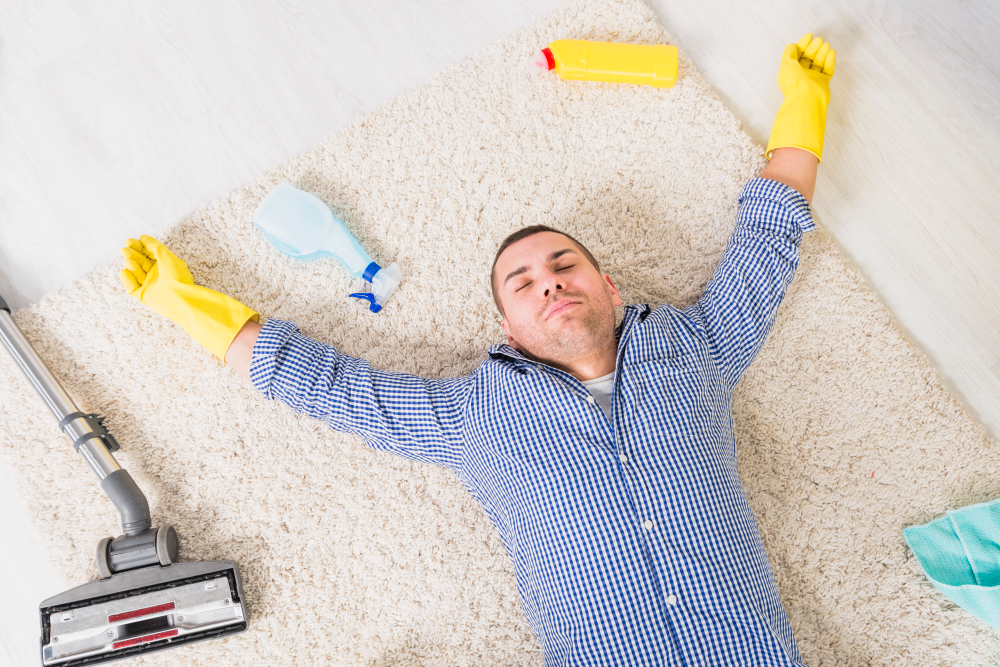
414, 417
738, 308
417, 418
240, 351
739, 305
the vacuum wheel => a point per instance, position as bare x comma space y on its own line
103, 566
166, 545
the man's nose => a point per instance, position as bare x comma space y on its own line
550, 283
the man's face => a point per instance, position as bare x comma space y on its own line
557, 307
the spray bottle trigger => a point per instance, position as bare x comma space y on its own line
370, 297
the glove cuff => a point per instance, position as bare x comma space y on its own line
213, 319
800, 123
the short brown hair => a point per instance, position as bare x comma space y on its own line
524, 233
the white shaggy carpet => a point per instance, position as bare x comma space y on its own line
354, 557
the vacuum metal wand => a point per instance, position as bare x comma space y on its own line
90, 439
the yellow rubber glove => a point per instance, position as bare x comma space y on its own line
804, 78
161, 281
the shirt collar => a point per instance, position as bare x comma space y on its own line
635, 312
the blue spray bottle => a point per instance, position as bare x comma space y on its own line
303, 227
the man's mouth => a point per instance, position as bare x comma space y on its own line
560, 306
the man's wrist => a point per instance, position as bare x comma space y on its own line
240, 351
795, 167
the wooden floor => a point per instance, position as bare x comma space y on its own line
120, 118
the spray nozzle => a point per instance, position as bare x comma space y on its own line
370, 297
383, 281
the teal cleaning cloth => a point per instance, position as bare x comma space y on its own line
960, 553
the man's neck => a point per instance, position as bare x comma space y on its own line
596, 369
584, 369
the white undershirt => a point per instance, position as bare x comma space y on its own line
601, 389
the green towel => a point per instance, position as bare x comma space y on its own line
960, 553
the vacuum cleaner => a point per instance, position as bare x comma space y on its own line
145, 600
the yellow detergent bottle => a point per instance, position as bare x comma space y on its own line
581, 60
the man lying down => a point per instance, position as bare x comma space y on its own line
605, 457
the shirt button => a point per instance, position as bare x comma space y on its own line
671, 600
624, 459
590, 399
647, 524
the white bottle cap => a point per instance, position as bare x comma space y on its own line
384, 282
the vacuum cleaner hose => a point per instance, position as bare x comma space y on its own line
129, 499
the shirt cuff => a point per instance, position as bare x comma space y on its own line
263, 362
790, 199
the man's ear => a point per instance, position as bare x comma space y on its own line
616, 298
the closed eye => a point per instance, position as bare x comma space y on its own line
557, 271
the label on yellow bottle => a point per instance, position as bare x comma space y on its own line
644, 64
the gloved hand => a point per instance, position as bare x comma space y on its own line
160, 280
804, 78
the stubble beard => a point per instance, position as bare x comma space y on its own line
591, 332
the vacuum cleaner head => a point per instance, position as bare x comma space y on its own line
142, 610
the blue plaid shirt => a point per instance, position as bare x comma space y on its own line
632, 538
